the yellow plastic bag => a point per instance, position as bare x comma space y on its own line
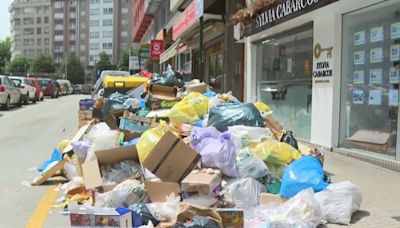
62, 145
261, 106
188, 110
277, 153
149, 140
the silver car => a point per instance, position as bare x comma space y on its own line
9, 94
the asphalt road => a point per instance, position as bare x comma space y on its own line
27, 138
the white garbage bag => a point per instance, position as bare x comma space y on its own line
348, 188
335, 207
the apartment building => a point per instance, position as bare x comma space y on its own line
30, 28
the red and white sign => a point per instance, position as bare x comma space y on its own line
187, 17
156, 48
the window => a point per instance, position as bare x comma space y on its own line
28, 21
108, 1
94, 58
38, 20
29, 10
94, 11
83, 25
124, 10
72, 14
46, 41
94, 23
28, 42
124, 22
46, 20
72, 36
107, 34
124, 46
58, 59
72, 3
46, 9
107, 11
29, 52
58, 27
59, 48
17, 42
59, 37
17, 21
72, 48
107, 22
94, 46
284, 77
94, 35
83, 47
29, 31
72, 25
46, 30
107, 46
58, 5
39, 41
94, 1
38, 31
58, 15
124, 34
17, 32
46, 51
370, 79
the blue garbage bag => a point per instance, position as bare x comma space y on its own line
301, 174
55, 156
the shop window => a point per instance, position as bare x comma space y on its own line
284, 82
370, 83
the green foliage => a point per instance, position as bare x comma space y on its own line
19, 65
104, 62
5, 53
42, 64
75, 70
123, 63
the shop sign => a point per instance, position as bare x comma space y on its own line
134, 63
199, 8
323, 69
284, 10
156, 48
184, 20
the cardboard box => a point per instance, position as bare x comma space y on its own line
200, 181
198, 87
102, 217
91, 170
155, 104
158, 191
171, 159
161, 92
85, 114
82, 123
266, 198
133, 125
231, 217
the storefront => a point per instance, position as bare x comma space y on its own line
329, 70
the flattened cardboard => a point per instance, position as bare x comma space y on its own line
49, 173
91, 170
231, 217
170, 151
198, 87
158, 191
163, 92
266, 198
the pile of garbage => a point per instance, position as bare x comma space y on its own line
172, 153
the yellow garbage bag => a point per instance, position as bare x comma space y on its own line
62, 145
149, 140
261, 106
277, 153
188, 110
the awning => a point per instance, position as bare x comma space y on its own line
170, 52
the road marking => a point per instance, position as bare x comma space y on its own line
42, 208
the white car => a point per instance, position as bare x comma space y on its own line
9, 94
28, 91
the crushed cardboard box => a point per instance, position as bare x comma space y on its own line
266, 198
202, 181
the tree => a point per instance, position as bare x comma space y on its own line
123, 63
19, 65
42, 64
5, 53
75, 71
104, 62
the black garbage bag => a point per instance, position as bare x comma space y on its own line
290, 139
145, 214
229, 114
198, 222
169, 78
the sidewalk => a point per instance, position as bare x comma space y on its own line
380, 188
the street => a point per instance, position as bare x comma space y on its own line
29, 134
27, 138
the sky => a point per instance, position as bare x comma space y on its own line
4, 19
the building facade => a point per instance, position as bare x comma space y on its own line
30, 28
329, 69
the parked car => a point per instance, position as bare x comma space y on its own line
77, 89
65, 87
9, 94
86, 89
39, 92
28, 91
50, 87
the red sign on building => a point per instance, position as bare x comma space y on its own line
156, 48
184, 20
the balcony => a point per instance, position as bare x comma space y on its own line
151, 6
